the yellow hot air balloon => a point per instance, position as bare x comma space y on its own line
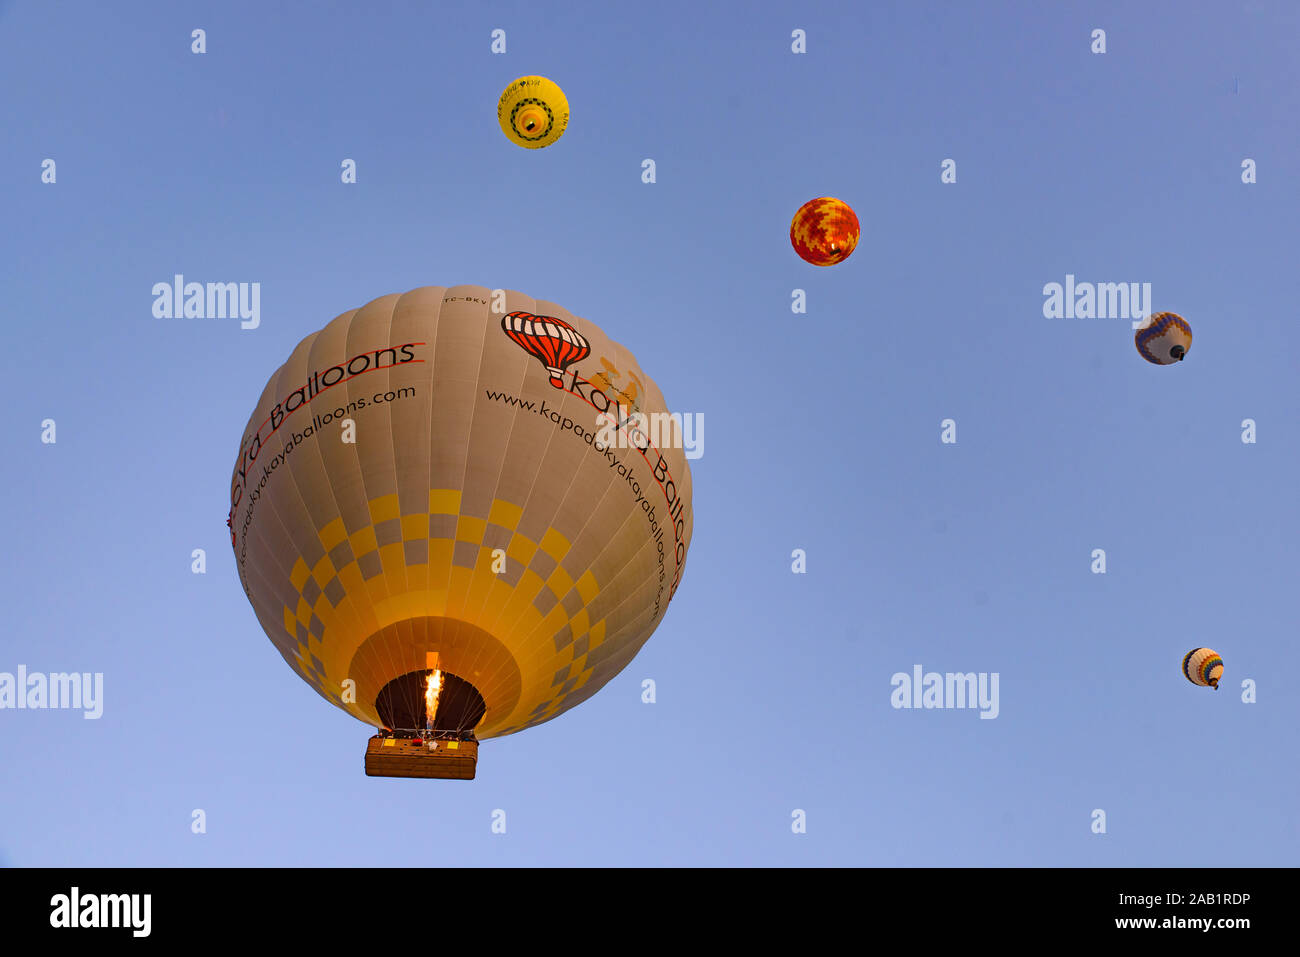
456, 517
533, 112
1163, 338
1204, 667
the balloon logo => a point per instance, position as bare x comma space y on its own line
533, 112
1163, 338
556, 343
1204, 667
825, 231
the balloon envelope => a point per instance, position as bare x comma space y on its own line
427, 476
1203, 666
533, 112
1163, 338
824, 231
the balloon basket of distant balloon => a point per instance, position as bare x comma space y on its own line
414, 754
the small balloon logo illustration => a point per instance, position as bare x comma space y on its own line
825, 231
556, 343
533, 112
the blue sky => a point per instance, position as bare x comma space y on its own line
822, 429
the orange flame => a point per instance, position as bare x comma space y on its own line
431, 691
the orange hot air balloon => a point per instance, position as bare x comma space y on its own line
825, 231
446, 525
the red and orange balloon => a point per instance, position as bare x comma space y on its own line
825, 231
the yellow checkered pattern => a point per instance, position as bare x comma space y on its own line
366, 581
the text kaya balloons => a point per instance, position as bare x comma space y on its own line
1163, 338
437, 474
533, 112
824, 231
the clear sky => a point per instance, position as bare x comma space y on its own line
822, 430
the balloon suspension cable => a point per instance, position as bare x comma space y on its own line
436, 734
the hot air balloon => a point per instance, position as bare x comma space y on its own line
1203, 666
1163, 338
448, 523
825, 231
533, 112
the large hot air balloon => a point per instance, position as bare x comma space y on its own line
824, 231
533, 112
456, 521
1163, 338
1204, 667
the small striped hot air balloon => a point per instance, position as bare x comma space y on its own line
1163, 338
1204, 667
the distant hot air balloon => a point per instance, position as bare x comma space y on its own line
443, 532
1163, 338
533, 112
824, 231
1203, 666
